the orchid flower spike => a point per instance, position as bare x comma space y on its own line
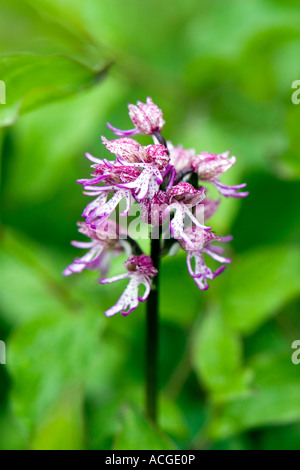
166, 182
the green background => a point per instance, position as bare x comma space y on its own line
222, 73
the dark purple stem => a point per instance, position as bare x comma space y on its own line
160, 139
152, 336
153, 321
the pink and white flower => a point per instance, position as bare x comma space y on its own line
201, 242
181, 158
104, 244
146, 117
158, 176
140, 271
209, 166
154, 167
153, 209
182, 197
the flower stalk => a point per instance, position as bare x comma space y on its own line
152, 336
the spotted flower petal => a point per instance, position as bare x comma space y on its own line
103, 245
230, 191
140, 271
201, 272
202, 242
146, 185
103, 211
177, 224
186, 193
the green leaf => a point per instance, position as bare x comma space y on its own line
139, 434
258, 284
48, 354
31, 284
12, 437
54, 158
217, 359
62, 428
275, 399
180, 299
35, 80
171, 418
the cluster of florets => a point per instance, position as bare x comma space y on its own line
159, 178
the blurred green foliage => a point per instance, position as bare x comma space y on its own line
222, 73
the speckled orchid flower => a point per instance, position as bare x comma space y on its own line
182, 197
209, 166
140, 271
163, 180
153, 170
180, 157
104, 244
200, 242
146, 117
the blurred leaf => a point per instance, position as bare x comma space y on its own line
99, 411
176, 306
275, 399
258, 284
31, 288
283, 437
62, 428
267, 230
70, 14
172, 420
51, 353
34, 80
217, 359
139, 434
12, 437
39, 34
57, 158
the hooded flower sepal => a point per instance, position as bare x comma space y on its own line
209, 166
181, 158
146, 117
140, 271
